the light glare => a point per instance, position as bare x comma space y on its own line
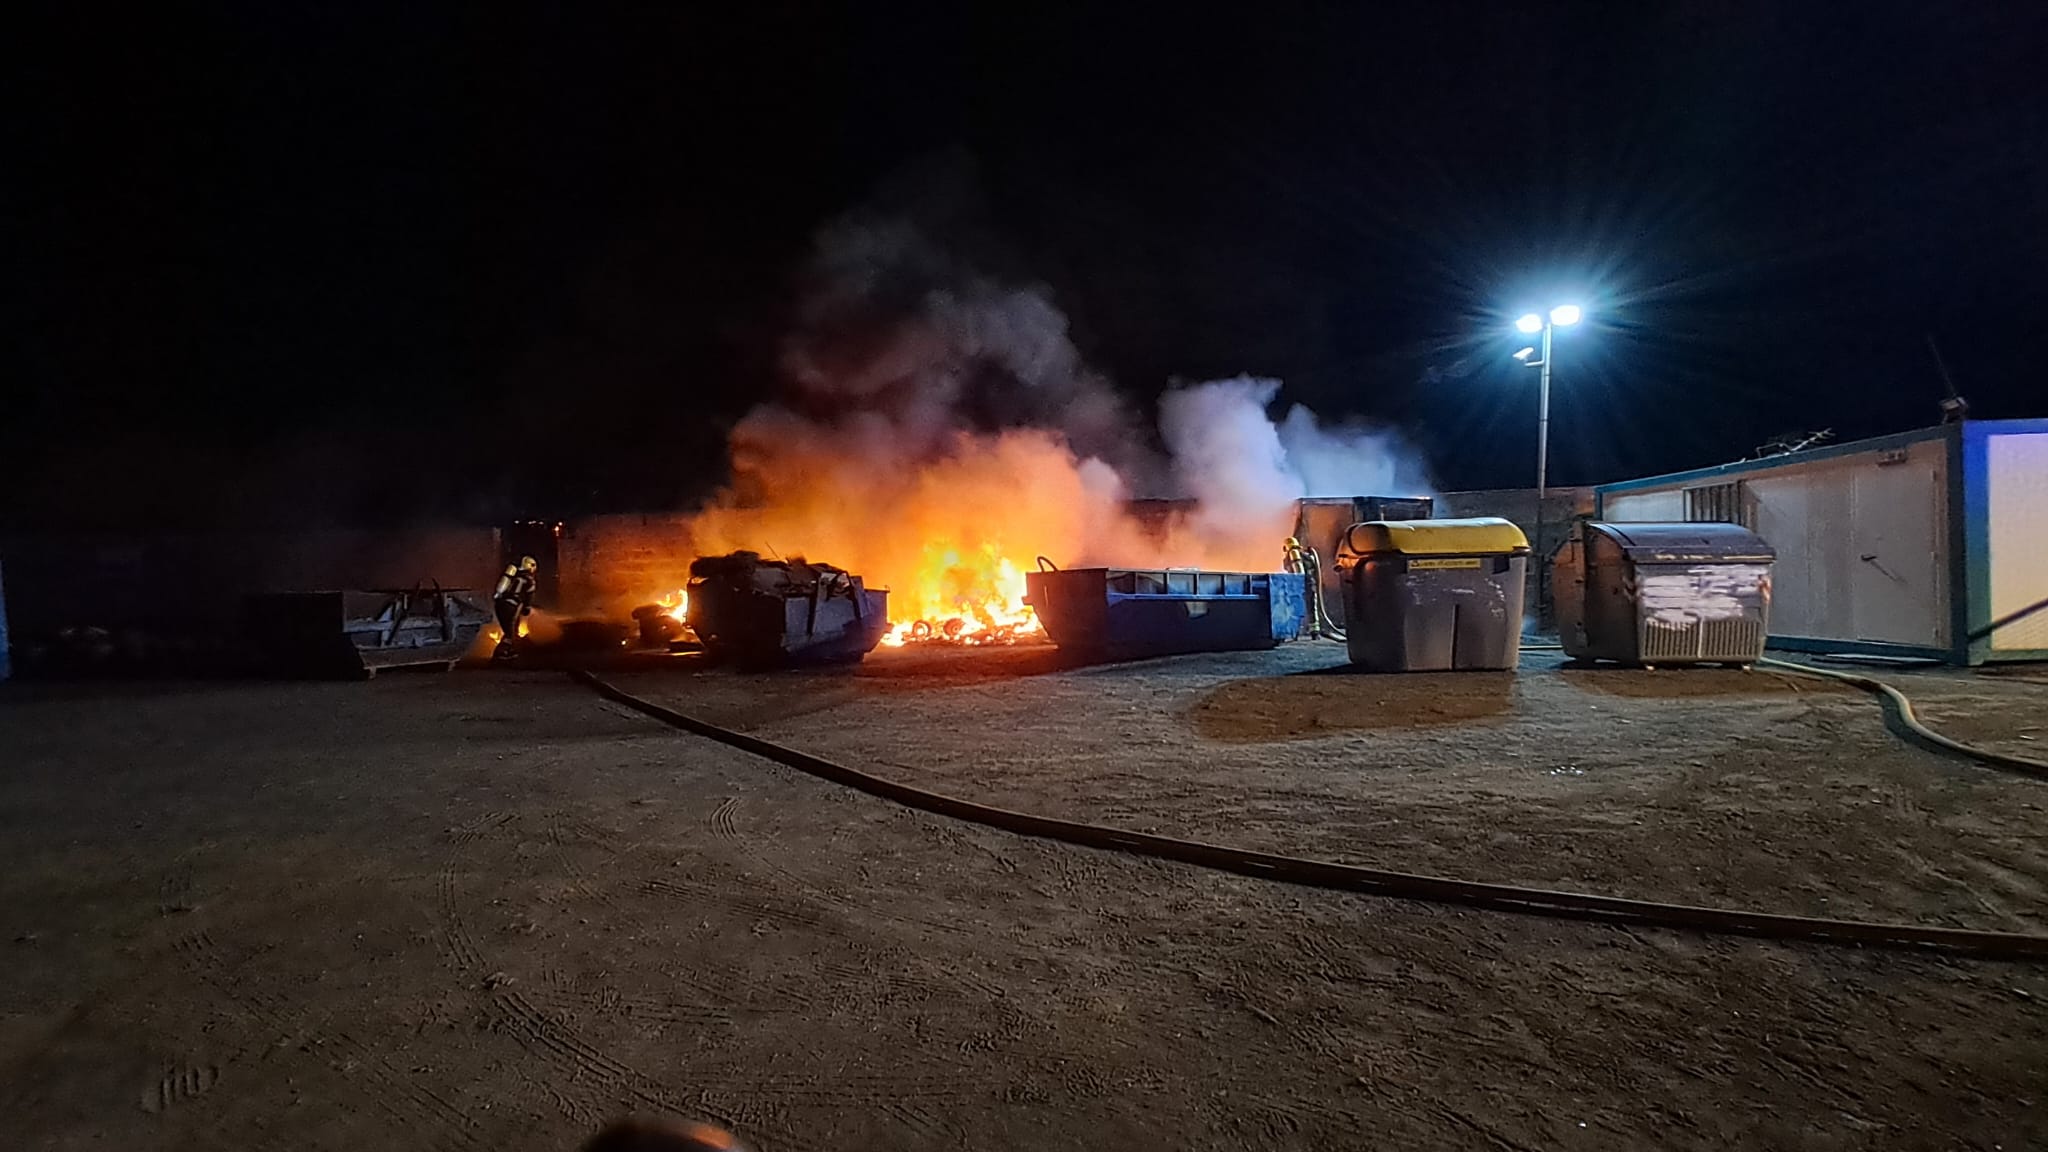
1565, 314
1532, 323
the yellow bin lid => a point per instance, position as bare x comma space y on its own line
1477, 536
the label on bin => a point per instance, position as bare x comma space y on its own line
1443, 562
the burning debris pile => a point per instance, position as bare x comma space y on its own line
940, 431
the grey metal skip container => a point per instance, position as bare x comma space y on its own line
1664, 593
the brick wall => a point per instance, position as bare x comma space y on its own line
612, 564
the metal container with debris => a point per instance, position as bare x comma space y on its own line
768, 613
1131, 613
1664, 593
1433, 595
356, 634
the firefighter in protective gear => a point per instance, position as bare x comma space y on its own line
513, 600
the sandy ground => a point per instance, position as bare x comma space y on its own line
487, 910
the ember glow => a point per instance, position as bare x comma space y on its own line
677, 604
970, 597
950, 533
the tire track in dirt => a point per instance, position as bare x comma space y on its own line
458, 948
583, 1082
174, 893
849, 1090
761, 906
589, 1082
480, 827
752, 1098
921, 1120
412, 1106
723, 825
608, 1001
908, 978
179, 1083
557, 832
721, 822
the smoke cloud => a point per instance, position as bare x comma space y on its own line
941, 430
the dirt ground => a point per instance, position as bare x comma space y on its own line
488, 910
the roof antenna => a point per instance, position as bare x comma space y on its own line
1954, 409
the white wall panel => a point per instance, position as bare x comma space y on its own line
2017, 472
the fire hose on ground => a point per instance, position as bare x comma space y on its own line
1380, 882
1898, 705
1902, 708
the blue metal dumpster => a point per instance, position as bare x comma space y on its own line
1127, 613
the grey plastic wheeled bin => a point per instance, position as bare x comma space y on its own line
1433, 595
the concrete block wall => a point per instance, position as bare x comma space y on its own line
184, 582
1561, 506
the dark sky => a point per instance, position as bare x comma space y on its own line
349, 263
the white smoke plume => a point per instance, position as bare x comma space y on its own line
1245, 472
1227, 456
941, 430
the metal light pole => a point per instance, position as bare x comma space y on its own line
1543, 429
1560, 316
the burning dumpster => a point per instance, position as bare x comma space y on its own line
766, 613
355, 634
1129, 613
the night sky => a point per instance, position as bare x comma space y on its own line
300, 263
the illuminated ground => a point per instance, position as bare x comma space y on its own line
486, 910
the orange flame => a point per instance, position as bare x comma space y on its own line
972, 597
677, 604
950, 534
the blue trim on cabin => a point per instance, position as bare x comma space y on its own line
1972, 518
1856, 647
1745, 467
1960, 568
1977, 495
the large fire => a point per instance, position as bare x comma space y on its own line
963, 596
939, 431
950, 533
